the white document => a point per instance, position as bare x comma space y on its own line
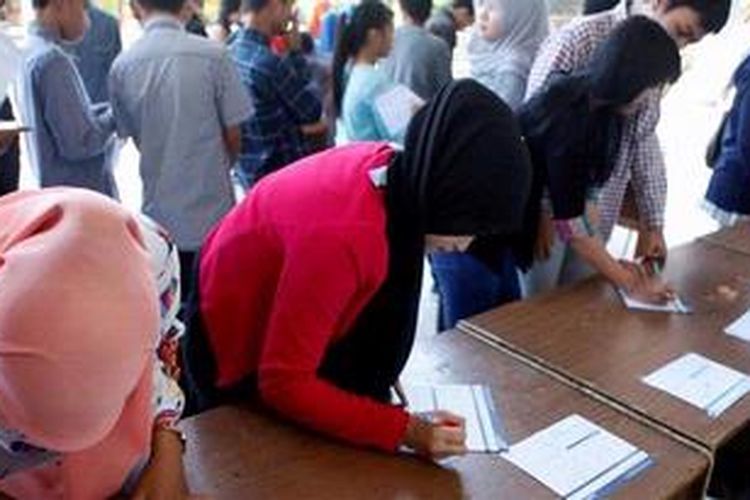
673, 306
484, 432
10, 63
576, 458
740, 328
12, 126
701, 382
396, 108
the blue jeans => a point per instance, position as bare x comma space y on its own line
467, 287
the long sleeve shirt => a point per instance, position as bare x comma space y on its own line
70, 138
319, 229
284, 98
640, 158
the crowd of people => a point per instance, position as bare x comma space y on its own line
304, 294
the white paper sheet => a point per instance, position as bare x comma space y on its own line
703, 383
10, 63
484, 433
576, 458
673, 306
396, 108
740, 328
12, 126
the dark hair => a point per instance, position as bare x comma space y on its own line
172, 6
595, 6
639, 54
713, 13
417, 10
351, 36
463, 4
306, 43
39, 4
226, 9
254, 5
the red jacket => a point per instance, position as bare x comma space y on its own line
286, 274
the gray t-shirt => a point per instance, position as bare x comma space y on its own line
175, 93
419, 60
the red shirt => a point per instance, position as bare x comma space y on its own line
286, 274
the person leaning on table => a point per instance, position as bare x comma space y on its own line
309, 289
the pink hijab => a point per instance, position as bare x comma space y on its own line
78, 323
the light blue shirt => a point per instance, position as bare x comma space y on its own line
71, 139
175, 93
360, 120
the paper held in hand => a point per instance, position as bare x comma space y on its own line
12, 126
396, 108
577, 459
484, 430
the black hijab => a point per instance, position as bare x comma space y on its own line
464, 171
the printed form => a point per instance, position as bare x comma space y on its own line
577, 459
703, 383
484, 431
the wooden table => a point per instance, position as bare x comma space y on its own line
736, 238
586, 335
243, 453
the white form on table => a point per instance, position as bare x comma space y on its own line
740, 328
577, 459
484, 431
703, 383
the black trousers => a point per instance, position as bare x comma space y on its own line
10, 161
187, 272
198, 362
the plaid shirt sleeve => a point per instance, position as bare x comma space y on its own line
564, 51
648, 168
295, 90
641, 159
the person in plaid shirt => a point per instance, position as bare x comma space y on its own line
286, 103
640, 158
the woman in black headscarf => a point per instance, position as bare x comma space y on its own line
308, 291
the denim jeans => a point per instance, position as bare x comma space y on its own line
466, 286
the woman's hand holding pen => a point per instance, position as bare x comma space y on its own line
644, 282
436, 435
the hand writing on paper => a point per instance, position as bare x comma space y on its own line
646, 286
436, 435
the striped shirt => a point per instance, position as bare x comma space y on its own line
640, 158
